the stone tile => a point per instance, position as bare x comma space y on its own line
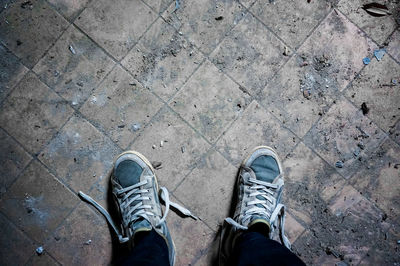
177, 136
81, 226
325, 64
336, 49
118, 104
11, 71
254, 128
42, 260
70, 9
15, 247
378, 178
13, 160
210, 101
339, 135
250, 54
205, 22
37, 202
284, 98
74, 76
207, 190
33, 113
374, 86
163, 60
378, 28
29, 30
394, 45
293, 229
291, 20
309, 182
348, 232
159, 6
117, 25
79, 155
192, 238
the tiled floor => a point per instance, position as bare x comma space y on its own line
82, 80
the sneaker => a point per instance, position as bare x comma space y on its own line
260, 186
135, 192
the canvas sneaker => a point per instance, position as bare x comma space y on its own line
259, 186
135, 192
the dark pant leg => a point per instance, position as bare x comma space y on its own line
150, 249
253, 248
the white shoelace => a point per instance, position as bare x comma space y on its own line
263, 189
131, 194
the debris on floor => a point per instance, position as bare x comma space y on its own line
88, 242
366, 60
376, 9
364, 108
156, 165
339, 164
39, 250
72, 49
379, 54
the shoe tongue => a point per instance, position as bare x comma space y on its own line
141, 225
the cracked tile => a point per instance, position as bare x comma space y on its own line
33, 113
291, 20
163, 60
120, 103
207, 190
81, 226
378, 28
250, 54
79, 155
309, 184
37, 202
210, 101
74, 76
11, 71
378, 178
344, 134
255, 127
13, 160
376, 88
116, 26
182, 147
205, 22
29, 30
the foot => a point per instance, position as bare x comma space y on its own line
260, 185
135, 191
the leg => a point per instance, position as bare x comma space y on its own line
149, 249
253, 248
246, 239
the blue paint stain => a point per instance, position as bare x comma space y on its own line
366, 60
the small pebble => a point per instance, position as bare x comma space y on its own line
161, 143
40, 250
136, 127
183, 149
154, 146
398, 241
339, 164
180, 33
88, 242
